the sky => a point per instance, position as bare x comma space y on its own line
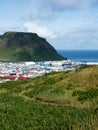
66, 24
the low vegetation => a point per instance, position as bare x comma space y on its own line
56, 101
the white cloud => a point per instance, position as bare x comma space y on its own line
79, 38
40, 30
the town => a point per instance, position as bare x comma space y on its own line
13, 71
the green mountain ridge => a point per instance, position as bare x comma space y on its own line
21, 46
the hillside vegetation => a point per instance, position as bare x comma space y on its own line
21, 46
55, 101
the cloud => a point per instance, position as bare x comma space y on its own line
63, 5
68, 4
78, 38
40, 30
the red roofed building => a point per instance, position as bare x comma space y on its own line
9, 77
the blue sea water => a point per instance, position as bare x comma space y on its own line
80, 55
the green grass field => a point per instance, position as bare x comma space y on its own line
56, 101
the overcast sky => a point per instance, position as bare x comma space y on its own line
66, 24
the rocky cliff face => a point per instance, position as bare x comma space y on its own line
20, 46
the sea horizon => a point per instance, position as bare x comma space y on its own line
80, 55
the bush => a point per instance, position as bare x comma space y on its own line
86, 95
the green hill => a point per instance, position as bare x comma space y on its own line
19, 46
55, 101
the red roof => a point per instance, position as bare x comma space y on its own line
21, 77
9, 77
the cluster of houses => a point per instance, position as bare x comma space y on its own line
27, 70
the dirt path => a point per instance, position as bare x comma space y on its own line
21, 94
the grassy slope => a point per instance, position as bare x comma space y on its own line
5, 54
57, 101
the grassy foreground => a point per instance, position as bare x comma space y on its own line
56, 101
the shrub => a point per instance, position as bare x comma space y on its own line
86, 95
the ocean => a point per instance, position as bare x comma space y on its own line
80, 55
